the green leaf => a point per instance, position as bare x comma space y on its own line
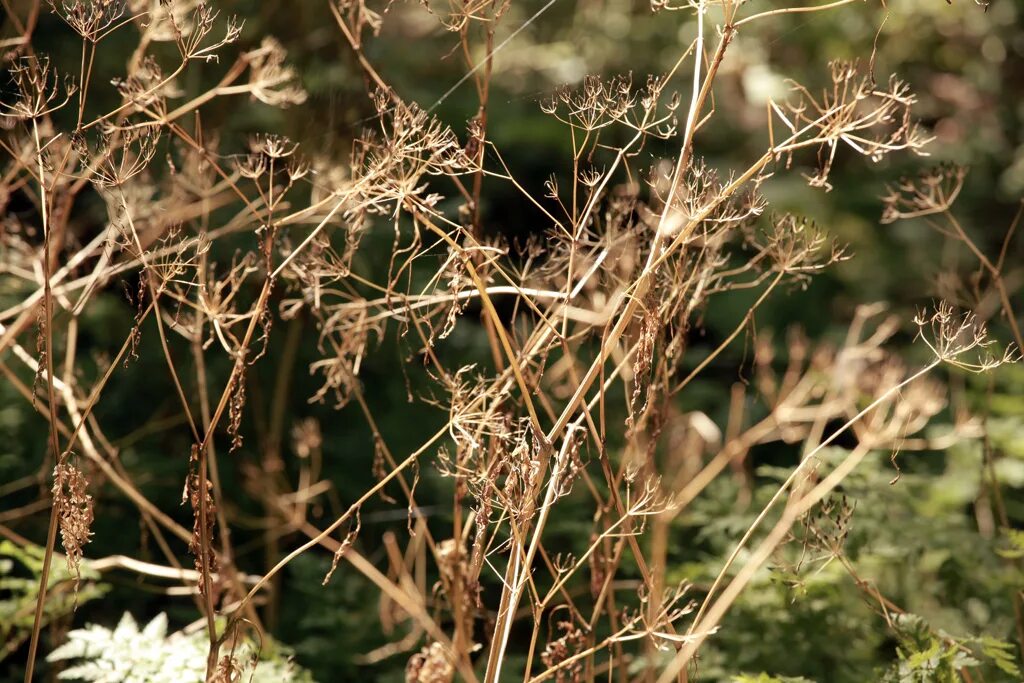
1015, 539
1001, 653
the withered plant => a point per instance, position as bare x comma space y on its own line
219, 246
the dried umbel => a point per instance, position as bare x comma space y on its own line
147, 87
558, 651
306, 437
458, 279
75, 514
464, 15
390, 167
90, 18
601, 103
359, 18
794, 246
39, 91
270, 80
228, 671
700, 203
344, 339
932, 192
190, 34
950, 335
119, 156
822, 534
521, 469
853, 112
168, 20
432, 664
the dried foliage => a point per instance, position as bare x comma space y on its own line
76, 514
220, 245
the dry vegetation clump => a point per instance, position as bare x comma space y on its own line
220, 246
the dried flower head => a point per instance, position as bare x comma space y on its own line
934, 191
119, 156
572, 641
147, 87
432, 664
853, 112
75, 514
38, 89
950, 335
270, 80
90, 18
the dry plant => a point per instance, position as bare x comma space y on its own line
588, 324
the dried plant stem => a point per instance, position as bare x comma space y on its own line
523, 564
495, 318
51, 534
206, 542
365, 63
994, 273
793, 10
403, 598
336, 524
713, 608
582, 336
747, 319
